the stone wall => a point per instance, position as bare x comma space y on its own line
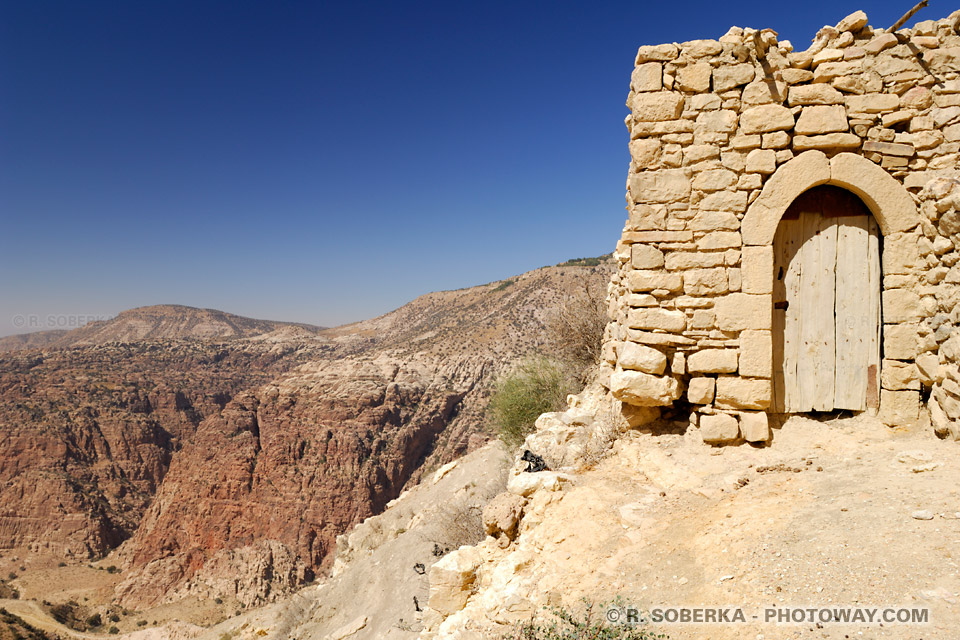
724, 135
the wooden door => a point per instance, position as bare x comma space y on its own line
826, 319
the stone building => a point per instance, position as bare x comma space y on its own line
793, 241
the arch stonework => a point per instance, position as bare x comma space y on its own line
887, 199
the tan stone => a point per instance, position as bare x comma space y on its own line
943, 60
826, 141
743, 393
719, 240
683, 260
644, 256
776, 140
637, 357
761, 161
890, 203
713, 361
714, 180
900, 254
701, 48
873, 103
813, 94
658, 52
765, 118
880, 43
739, 311
705, 282
853, 22
899, 408
899, 376
694, 77
723, 121
900, 341
796, 76
644, 390
819, 119
657, 107
828, 71
639, 281
764, 91
754, 426
889, 148
701, 390
666, 319
645, 152
647, 77
663, 186
452, 578
900, 305
657, 236
734, 201
756, 354
728, 77
757, 269
719, 428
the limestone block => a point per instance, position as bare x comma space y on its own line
701, 390
647, 77
819, 119
928, 368
704, 102
640, 300
645, 256
853, 22
743, 393
713, 361
900, 253
714, 180
756, 354
724, 121
754, 426
918, 98
764, 92
526, 484
693, 260
796, 76
739, 311
766, 118
813, 94
878, 189
756, 264
678, 364
645, 152
729, 76
658, 107
643, 389
664, 186
900, 305
827, 71
880, 43
699, 152
942, 60
657, 52
653, 318
637, 357
640, 281
899, 376
826, 141
899, 408
714, 221
719, 428
701, 48
452, 578
719, 240
735, 201
694, 77
645, 217
873, 103
762, 161
698, 282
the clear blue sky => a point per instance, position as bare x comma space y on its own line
321, 162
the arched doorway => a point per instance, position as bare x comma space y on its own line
826, 304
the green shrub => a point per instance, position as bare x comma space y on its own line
535, 385
95, 620
590, 624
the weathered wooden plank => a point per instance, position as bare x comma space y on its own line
874, 284
780, 264
820, 317
793, 261
855, 328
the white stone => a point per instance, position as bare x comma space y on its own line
756, 353
719, 428
819, 119
754, 426
765, 118
701, 390
637, 357
713, 361
643, 389
743, 393
739, 311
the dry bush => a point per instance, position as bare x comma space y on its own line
575, 330
457, 523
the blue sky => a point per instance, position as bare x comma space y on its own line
321, 162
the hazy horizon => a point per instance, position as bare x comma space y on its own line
320, 163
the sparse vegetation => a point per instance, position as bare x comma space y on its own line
590, 624
458, 522
536, 385
575, 330
586, 262
505, 284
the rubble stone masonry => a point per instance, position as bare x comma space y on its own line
724, 135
